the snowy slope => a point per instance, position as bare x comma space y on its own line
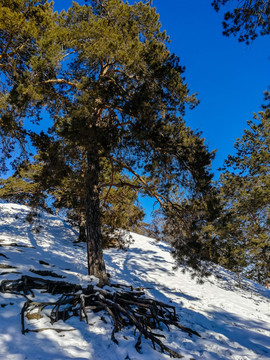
234, 323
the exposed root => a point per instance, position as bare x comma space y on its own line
126, 307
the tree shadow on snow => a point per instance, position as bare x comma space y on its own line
230, 328
133, 268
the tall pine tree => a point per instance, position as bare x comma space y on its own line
115, 91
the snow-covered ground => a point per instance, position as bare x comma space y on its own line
234, 323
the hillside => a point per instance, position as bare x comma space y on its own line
233, 323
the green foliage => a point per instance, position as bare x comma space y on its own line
245, 194
23, 25
22, 187
248, 20
189, 226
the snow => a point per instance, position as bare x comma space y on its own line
233, 322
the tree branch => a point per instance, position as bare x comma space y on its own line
12, 53
121, 184
60, 81
160, 198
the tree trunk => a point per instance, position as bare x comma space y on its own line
82, 226
96, 264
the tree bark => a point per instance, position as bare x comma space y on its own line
96, 264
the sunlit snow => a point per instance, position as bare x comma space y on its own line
234, 322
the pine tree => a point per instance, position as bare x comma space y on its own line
115, 91
245, 193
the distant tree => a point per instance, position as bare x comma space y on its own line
247, 20
245, 194
115, 92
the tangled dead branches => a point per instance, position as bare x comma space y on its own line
126, 307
